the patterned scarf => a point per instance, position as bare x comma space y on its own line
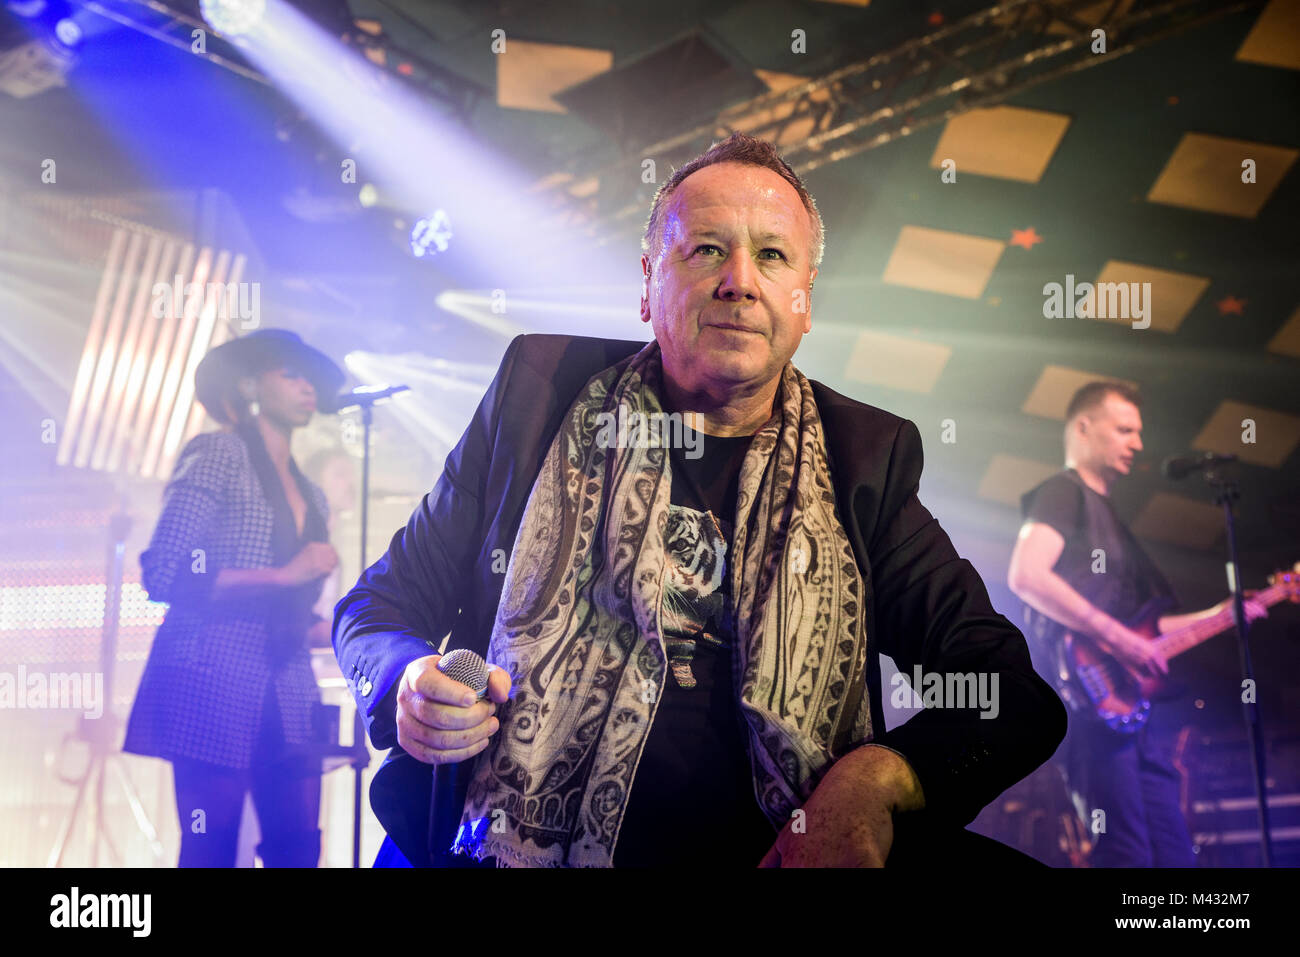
578, 627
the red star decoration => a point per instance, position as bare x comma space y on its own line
935, 19
1025, 237
1231, 304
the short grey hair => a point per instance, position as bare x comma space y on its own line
736, 148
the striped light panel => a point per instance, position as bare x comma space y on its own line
132, 406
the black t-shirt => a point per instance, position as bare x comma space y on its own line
1101, 559
692, 799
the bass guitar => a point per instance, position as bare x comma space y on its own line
1091, 679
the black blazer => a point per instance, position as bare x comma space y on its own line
926, 605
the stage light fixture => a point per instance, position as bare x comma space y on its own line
26, 8
68, 31
432, 231
232, 18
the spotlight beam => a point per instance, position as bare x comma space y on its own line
410, 151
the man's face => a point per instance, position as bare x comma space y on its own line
728, 293
1112, 435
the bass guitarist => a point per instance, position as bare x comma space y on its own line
1078, 569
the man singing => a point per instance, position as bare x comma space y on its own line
686, 638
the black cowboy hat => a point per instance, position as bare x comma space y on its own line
255, 352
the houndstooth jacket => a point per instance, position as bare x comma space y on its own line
215, 663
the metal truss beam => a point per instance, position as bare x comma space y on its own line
170, 24
975, 62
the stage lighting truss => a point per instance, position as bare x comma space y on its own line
975, 62
174, 21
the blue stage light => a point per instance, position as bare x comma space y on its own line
26, 8
432, 231
68, 32
232, 18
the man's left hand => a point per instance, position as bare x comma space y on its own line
849, 819
1255, 609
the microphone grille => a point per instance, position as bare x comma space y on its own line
467, 667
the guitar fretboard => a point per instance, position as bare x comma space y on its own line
1189, 636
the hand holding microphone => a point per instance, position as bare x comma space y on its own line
446, 706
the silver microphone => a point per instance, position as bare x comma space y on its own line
467, 667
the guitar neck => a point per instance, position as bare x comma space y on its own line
1189, 636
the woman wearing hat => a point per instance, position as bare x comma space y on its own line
240, 553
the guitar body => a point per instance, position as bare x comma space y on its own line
1097, 683
1093, 681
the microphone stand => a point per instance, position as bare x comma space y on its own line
365, 399
360, 752
1226, 493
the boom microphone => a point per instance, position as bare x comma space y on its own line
364, 395
1176, 467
